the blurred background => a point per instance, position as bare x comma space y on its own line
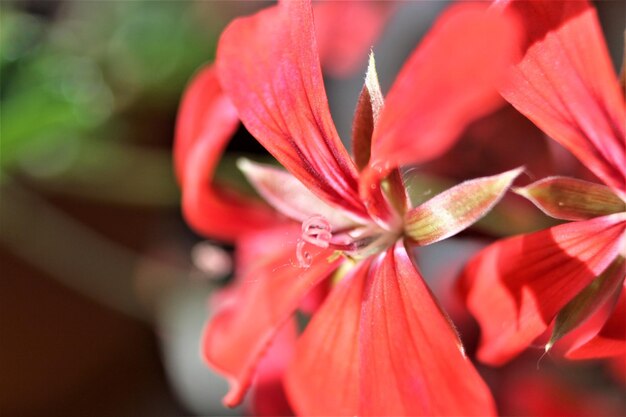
103, 288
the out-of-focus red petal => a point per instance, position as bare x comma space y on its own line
324, 376
240, 332
450, 80
346, 30
206, 122
515, 287
257, 248
566, 85
269, 66
411, 360
610, 341
267, 393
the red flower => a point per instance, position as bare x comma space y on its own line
379, 344
517, 287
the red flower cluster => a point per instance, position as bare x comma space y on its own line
333, 233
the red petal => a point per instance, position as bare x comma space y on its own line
567, 86
206, 122
267, 393
327, 353
269, 66
515, 287
239, 334
449, 81
611, 341
346, 30
412, 362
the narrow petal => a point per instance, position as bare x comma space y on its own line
346, 30
457, 208
269, 66
567, 86
206, 122
611, 341
242, 329
449, 81
289, 196
323, 379
411, 360
515, 287
572, 199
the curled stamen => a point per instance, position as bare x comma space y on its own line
305, 259
317, 231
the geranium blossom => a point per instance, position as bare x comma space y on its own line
517, 287
379, 343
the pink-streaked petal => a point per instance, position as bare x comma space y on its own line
324, 377
289, 196
515, 287
567, 86
240, 332
449, 81
572, 199
269, 66
206, 122
457, 208
346, 30
411, 360
610, 341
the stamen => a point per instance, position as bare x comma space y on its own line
305, 259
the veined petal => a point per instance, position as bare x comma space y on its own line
346, 30
269, 66
238, 335
457, 208
611, 341
289, 196
515, 287
449, 81
566, 85
327, 354
572, 199
206, 122
411, 360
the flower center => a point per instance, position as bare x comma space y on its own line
357, 242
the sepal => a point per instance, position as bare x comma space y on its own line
572, 199
457, 208
608, 285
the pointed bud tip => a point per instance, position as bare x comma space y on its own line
244, 164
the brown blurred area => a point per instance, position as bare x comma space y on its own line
63, 354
